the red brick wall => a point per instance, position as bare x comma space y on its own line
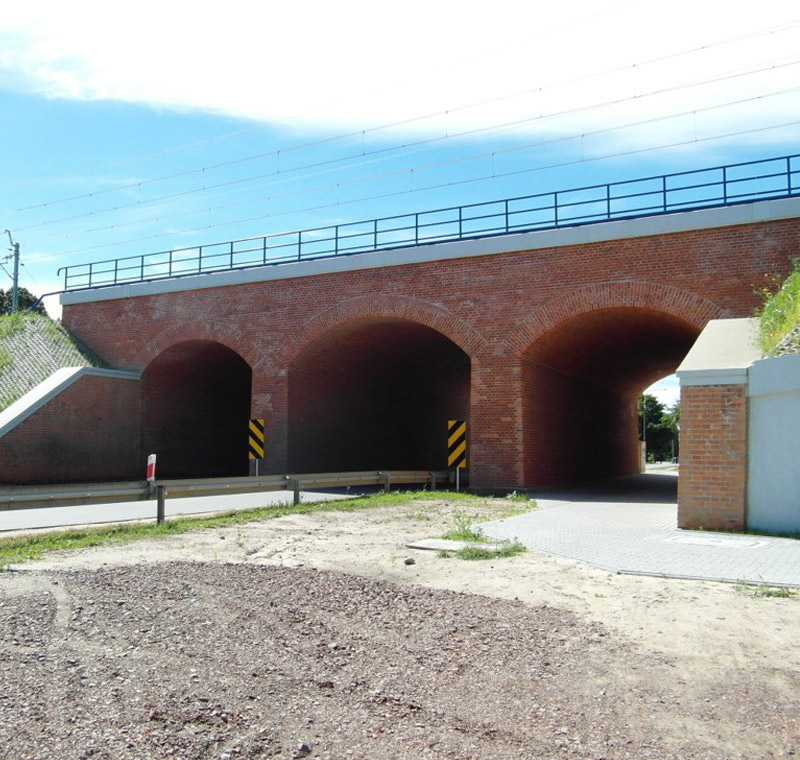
492, 308
88, 432
712, 485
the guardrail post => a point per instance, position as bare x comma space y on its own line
433, 481
295, 483
160, 499
386, 480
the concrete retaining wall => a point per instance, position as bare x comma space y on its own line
773, 471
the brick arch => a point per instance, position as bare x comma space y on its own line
383, 306
200, 329
682, 304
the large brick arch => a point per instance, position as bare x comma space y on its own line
200, 329
381, 306
675, 302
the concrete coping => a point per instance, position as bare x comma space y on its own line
46, 391
722, 354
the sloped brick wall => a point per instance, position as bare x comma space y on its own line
89, 432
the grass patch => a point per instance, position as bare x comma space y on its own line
780, 312
464, 531
12, 323
15, 550
775, 592
508, 549
767, 592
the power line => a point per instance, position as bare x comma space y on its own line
407, 122
441, 186
507, 126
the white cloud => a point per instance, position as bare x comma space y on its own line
354, 64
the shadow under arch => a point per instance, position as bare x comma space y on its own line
585, 359
375, 392
195, 405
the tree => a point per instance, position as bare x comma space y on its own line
25, 298
658, 428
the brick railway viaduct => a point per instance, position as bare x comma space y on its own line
542, 340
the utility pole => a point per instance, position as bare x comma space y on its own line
15, 278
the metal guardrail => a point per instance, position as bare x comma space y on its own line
38, 497
727, 185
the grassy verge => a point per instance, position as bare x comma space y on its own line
780, 312
14, 550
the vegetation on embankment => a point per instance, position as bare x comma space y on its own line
32, 347
779, 317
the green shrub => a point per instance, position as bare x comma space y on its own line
780, 312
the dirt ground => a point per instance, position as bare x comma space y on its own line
310, 636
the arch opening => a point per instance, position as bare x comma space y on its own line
375, 394
195, 408
581, 382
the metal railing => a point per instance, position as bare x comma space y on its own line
728, 185
69, 495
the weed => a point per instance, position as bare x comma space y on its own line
463, 530
765, 591
508, 549
516, 496
778, 592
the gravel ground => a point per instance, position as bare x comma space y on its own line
310, 637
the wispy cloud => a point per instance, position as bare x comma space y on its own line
344, 64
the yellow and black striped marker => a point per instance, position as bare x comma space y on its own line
457, 443
256, 439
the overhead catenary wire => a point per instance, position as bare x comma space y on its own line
420, 169
507, 126
441, 186
638, 66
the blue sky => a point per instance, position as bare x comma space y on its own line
135, 128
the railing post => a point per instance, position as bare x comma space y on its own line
663, 192
555, 209
200, 259
375, 234
160, 499
789, 174
336, 240
506, 213
116, 270
725, 185
460, 222
416, 229
91, 273
608, 201
170, 263
299, 245
264, 250
231, 264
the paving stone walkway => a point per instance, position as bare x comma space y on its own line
628, 525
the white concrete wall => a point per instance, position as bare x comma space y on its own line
773, 466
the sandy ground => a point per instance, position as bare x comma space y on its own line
698, 669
